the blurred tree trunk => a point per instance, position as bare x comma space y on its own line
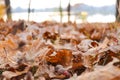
29, 10
118, 10
61, 15
68, 11
8, 9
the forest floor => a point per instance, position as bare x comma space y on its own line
54, 51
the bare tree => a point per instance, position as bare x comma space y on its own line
68, 11
29, 10
118, 10
8, 9
61, 15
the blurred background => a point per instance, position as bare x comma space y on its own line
59, 10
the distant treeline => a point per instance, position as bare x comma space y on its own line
105, 10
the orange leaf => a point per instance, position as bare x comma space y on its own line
63, 57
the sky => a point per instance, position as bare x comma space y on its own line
41, 4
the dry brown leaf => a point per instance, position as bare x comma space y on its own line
107, 72
63, 57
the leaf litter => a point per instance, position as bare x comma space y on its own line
54, 51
